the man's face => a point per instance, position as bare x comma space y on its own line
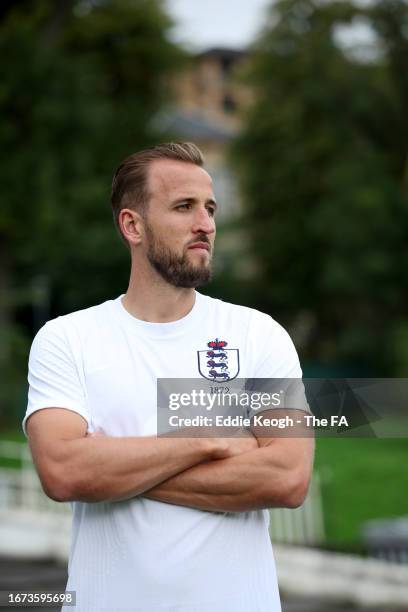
180, 226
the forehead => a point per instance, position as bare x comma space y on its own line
174, 178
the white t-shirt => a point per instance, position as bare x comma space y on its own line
141, 554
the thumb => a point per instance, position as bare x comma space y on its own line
98, 433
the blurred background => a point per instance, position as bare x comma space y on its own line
300, 108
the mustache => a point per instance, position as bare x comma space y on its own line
200, 238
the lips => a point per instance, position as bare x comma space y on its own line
200, 245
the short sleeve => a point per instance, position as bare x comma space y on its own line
277, 370
53, 375
279, 358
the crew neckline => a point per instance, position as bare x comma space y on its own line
162, 330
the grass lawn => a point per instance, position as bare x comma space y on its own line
12, 436
15, 435
362, 479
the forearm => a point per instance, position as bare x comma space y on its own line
260, 478
109, 469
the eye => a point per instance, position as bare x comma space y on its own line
211, 210
185, 206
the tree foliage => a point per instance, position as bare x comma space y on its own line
81, 83
324, 170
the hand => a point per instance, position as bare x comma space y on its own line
237, 442
95, 434
242, 441
220, 443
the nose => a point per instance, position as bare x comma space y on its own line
203, 222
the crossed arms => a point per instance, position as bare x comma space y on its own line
240, 473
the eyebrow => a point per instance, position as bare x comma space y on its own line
194, 200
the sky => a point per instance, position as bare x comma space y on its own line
201, 24
208, 23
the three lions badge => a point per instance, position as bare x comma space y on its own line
218, 363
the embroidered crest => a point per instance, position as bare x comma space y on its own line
218, 363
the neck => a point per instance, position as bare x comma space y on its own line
150, 298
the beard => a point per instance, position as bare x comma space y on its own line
177, 270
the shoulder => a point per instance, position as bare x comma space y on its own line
259, 323
263, 337
72, 326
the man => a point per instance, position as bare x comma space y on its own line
161, 523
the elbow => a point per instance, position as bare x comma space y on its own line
57, 494
61, 488
296, 491
56, 485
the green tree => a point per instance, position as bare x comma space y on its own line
81, 84
323, 164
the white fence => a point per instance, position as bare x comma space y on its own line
303, 525
20, 489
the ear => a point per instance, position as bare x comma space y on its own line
131, 226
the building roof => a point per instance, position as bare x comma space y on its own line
194, 126
222, 53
